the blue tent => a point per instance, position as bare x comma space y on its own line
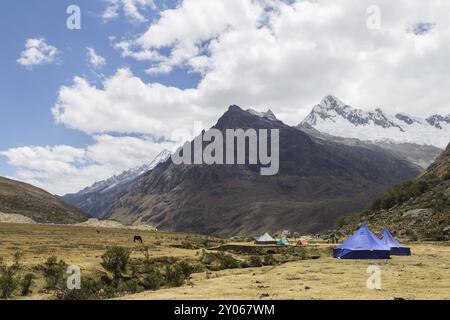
397, 249
363, 244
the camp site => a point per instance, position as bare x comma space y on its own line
262, 268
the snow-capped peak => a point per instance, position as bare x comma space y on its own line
266, 115
332, 116
127, 176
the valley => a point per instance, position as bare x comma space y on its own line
424, 275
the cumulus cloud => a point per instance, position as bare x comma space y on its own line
126, 104
131, 8
95, 59
37, 52
63, 169
270, 53
283, 55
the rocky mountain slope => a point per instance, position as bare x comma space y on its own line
418, 209
96, 199
317, 183
420, 155
36, 204
336, 118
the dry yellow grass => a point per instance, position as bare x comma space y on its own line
84, 246
424, 275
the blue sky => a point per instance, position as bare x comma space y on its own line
27, 95
172, 64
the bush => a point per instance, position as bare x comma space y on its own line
91, 289
175, 275
26, 283
116, 260
152, 279
269, 260
130, 286
54, 271
8, 281
219, 261
186, 268
255, 262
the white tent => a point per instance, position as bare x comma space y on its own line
266, 239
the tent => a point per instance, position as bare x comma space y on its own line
266, 239
283, 242
397, 249
363, 244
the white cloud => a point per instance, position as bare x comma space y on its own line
126, 104
283, 55
64, 169
288, 55
131, 8
95, 59
37, 52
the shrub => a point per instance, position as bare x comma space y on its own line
8, 280
8, 284
26, 283
186, 268
54, 271
255, 261
91, 289
269, 260
130, 286
219, 261
152, 279
116, 260
175, 276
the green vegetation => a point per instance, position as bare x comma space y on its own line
401, 193
115, 260
54, 271
9, 281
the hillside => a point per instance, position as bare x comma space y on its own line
317, 183
97, 199
418, 209
37, 204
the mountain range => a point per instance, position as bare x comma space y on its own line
332, 165
334, 117
317, 183
96, 199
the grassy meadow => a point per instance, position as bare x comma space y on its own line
297, 273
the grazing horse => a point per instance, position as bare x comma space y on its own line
138, 239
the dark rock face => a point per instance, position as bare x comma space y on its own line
317, 183
436, 120
24, 199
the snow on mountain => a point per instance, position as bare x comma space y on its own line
334, 117
265, 115
126, 176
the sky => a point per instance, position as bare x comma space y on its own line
139, 76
